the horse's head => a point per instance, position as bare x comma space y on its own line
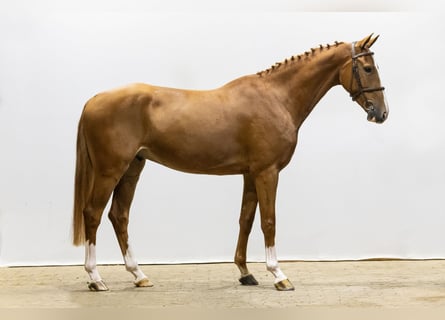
360, 77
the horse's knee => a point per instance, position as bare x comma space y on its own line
268, 226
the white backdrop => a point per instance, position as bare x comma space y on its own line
353, 189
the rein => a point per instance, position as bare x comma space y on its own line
355, 72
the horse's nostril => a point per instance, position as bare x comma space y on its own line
384, 115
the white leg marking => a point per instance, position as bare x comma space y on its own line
272, 264
90, 262
132, 266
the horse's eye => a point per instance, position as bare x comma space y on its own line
368, 69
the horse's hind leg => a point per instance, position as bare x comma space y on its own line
248, 208
103, 186
119, 216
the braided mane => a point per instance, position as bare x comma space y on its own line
299, 57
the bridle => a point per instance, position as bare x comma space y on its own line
355, 72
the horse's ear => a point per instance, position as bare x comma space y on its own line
372, 41
362, 44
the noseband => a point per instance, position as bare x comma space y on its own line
356, 74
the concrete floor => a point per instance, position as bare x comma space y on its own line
363, 284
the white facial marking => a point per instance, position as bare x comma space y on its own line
386, 103
272, 264
384, 92
90, 262
132, 266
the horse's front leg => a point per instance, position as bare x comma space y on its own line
248, 208
266, 184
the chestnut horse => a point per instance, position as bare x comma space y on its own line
248, 126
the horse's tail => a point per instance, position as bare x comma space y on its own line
82, 186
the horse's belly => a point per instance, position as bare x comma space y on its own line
218, 156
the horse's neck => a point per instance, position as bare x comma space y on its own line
300, 86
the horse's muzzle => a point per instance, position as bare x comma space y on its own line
376, 115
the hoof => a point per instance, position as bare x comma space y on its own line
143, 283
284, 285
97, 286
248, 280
